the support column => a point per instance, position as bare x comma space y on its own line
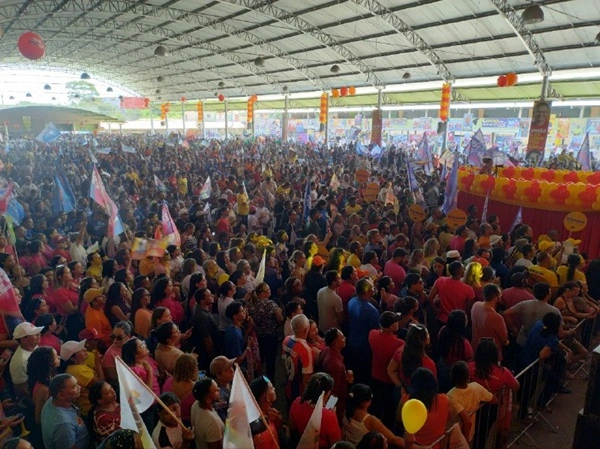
226, 124
183, 116
545, 85
151, 118
167, 124
120, 128
203, 123
376, 120
285, 119
327, 123
582, 112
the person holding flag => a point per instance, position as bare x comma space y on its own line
316, 425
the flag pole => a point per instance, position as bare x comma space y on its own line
161, 403
262, 416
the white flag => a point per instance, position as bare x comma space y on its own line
334, 184
310, 437
133, 390
206, 190
242, 411
260, 274
127, 149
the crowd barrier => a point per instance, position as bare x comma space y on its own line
510, 417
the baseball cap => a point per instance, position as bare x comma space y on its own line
71, 347
495, 239
574, 242
453, 254
544, 245
318, 261
88, 334
25, 329
388, 318
92, 294
219, 364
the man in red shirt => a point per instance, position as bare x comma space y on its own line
331, 361
384, 343
393, 268
298, 358
346, 290
452, 293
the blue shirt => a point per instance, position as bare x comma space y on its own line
536, 342
234, 342
63, 428
363, 318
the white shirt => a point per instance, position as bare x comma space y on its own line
208, 427
18, 365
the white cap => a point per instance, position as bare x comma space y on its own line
71, 347
25, 329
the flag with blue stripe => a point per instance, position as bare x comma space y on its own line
49, 134
583, 157
451, 192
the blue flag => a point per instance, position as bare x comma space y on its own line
61, 201
360, 149
413, 184
451, 192
423, 154
518, 219
583, 157
49, 134
485, 207
376, 152
476, 149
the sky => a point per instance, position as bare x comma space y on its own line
18, 82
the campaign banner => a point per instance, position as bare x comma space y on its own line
376, 128
538, 131
593, 126
133, 103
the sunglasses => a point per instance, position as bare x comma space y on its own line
117, 337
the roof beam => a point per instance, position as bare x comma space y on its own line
404, 29
269, 9
525, 36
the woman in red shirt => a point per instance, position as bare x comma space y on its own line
66, 299
423, 387
303, 407
163, 295
411, 356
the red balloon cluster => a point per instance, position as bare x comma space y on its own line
31, 45
343, 91
510, 79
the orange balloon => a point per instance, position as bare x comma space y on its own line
352, 90
335, 93
511, 79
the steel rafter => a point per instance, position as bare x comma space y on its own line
524, 34
306, 28
404, 29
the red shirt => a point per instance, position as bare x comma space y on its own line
515, 295
397, 273
426, 362
383, 347
63, 295
437, 418
332, 363
453, 295
298, 358
175, 307
499, 377
300, 414
487, 323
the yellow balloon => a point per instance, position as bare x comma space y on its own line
414, 415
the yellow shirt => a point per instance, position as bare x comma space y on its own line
562, 271
549, 276
354, 261
182, 186
353, 209
243, 204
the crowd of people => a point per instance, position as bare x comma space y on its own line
357, 303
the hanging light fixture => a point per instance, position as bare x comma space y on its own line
532, 14
53, 98
157, 91
47, 87
84, 76
335, 68
160, 79
598, 39
259, 62
109, 89
11, 98
28, 95
285, 88
161, 51
406, 76
221, 84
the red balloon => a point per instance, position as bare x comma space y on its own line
528, 174
221, 97
510, 189
31, 45
571, 177
548, 175
502, 81
344, 91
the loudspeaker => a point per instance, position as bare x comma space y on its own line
592, 404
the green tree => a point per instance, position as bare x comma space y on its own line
79, 91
